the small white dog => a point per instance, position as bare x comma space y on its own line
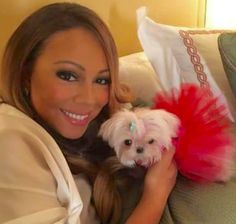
196, 125
138, 137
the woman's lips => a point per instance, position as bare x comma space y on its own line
76, 119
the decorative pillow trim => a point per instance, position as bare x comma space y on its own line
195, 57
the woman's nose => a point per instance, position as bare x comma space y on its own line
86, 94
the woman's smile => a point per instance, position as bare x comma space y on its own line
76, 119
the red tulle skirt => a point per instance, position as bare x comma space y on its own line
204, 150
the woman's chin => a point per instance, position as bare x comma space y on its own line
72, 133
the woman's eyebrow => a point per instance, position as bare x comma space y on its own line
70, 62
104, 71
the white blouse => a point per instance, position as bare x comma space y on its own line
36, 185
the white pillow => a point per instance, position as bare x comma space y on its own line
137, 72
186, 55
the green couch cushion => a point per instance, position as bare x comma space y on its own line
227, 48
192, 203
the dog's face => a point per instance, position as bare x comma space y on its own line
138, 137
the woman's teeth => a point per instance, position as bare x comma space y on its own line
75, 116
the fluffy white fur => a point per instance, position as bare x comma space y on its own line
152, 131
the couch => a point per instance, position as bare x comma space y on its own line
178, 49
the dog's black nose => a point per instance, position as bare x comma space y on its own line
140, 150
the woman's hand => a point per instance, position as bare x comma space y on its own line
161, 177
159, 181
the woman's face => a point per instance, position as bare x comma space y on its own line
70, 81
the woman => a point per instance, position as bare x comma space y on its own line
59, 82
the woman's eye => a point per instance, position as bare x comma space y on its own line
66, 75
128, 142
103, 81
151, 141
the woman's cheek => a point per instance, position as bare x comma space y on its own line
102, 96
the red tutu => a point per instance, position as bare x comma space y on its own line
204, 150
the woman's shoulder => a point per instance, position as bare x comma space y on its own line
10, 114
7, 109
18, 132
14, 122
20, 135
34, 165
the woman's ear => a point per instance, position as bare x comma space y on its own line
26, 81
26, 87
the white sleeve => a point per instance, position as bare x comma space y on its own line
27, 185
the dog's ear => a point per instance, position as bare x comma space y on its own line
162, 119
115, 126
109, 128
106, 130
172, 121
165, 125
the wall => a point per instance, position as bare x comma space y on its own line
120, 16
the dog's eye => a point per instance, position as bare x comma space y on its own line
128, 142
151, 141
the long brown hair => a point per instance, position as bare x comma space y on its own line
23, 48
28, 41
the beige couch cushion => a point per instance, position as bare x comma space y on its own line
137, 72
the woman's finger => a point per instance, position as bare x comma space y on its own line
167, 155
